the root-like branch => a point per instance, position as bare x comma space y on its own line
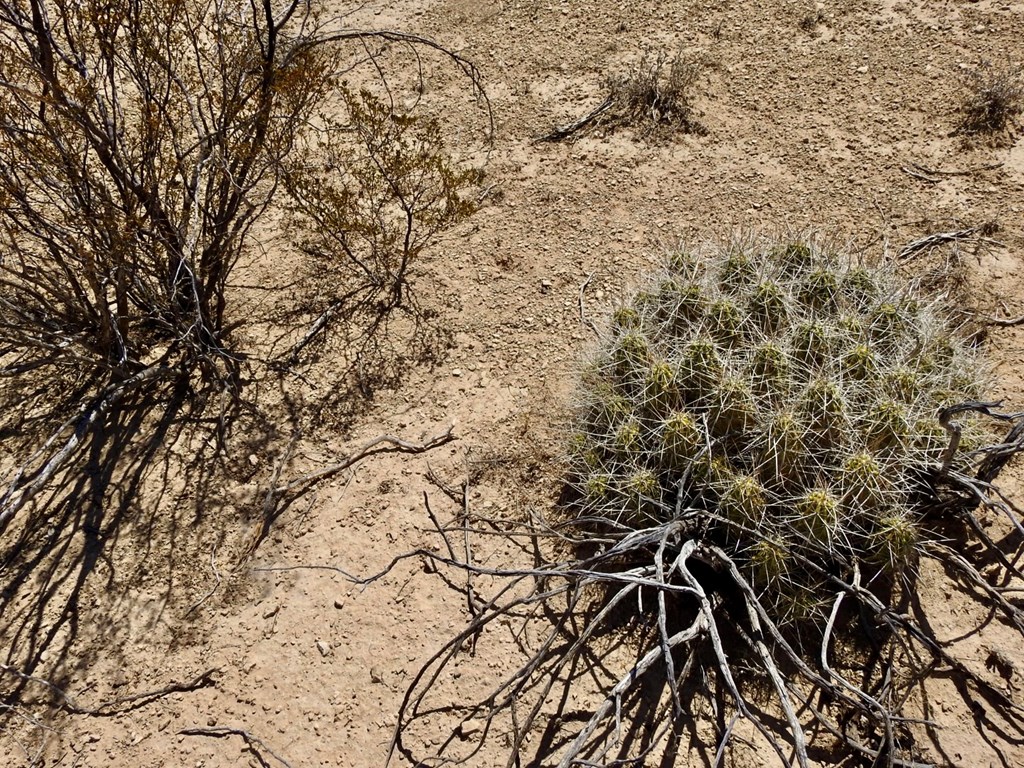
117, 705
251, 741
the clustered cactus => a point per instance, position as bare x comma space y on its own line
784, 394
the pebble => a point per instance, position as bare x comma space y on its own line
469, 727
323, 647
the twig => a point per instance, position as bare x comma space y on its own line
565, 131
931, 176
113, 706
251, 741
381, 444
17, 495
216, 575
584, 320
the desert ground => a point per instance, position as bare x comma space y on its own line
838, 118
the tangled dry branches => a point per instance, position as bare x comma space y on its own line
705, 646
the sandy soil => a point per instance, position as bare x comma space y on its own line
810, 124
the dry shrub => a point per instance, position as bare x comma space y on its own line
146, 150
140, 144
656, 97
994, 100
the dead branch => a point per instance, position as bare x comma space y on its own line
251, 741
19, 493
293, 489
942, 238
932, 176
114, 706
577, 125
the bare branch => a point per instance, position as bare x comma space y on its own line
251, 741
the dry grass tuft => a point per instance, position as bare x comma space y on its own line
994, 100
655, 99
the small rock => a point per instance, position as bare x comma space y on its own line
211, 721
863, 70
92, 738
456, 372
469, 727
323, 647
545, 286
271, 612
339, 603
376, 675
254, 459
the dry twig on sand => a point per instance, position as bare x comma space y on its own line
118, 705
251, 741
281, 495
